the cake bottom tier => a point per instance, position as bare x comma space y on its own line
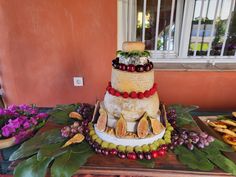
127, 141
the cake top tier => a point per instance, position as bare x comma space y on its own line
133, 46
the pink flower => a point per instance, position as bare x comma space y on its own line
34, 120
42, 115
26, 125
5, 131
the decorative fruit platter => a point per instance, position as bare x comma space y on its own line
65, 149
18, 123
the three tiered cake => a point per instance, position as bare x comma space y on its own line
129, 116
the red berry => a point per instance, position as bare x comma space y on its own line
147, 67
109, 83
147, 93
140, 95
108, 88
139, 68
113, 152
133, 94
161, 152
112, 91
151, 64
152, 91
122, 67
154, 154
125, 95
131, 155
131, 68
117, 93
164, 147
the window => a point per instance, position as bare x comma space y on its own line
175, 31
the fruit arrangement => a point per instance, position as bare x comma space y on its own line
133, 94
190, 139
131, 67
148, 151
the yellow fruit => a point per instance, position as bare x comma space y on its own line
121, 127
75, 115
142, 129
156, 125
78, 138
102, 121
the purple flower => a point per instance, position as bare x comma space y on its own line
26, 125
5, 131
12, 108
2, 111
34, 120
22, 119
24, 107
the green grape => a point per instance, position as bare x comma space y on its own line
121, 148
153, 146
111, 146
138, 149
145, 148
104, 144
94, 137
99, 141
129, 149
91, 132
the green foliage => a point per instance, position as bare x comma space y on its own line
133, 54
60, 114
32, 167
183, 115
194, 159
206, 159
68, 163
40, 140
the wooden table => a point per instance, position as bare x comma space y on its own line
167, 166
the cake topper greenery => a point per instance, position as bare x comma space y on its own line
64, 150
133, 53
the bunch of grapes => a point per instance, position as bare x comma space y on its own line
190, 139
86, 111
70, 131
172, 116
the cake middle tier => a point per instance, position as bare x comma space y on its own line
131, 109
124, 81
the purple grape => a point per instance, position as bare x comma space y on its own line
98, 150
184, 136
105, 151
140, 155
192, 134
175, 143
121, 155
200, 145
206, 143
148, 155
175, 137
190, 146
203, 135
195, 139
95, 144
76, 124
74, 130
180, 141
210, 139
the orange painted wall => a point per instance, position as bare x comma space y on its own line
43, 44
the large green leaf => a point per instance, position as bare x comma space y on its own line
60, 114
32, 168
183, 115
31, 146
70, 162
50, 150
223, 163
194, 159
217, 146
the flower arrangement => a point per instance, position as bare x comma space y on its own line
20, 122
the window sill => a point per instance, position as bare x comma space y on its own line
225, 67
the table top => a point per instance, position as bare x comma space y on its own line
164, 166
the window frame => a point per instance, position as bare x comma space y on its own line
184, 11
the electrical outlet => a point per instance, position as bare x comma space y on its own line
78, 81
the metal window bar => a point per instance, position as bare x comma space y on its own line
171, 23
130, 8
198, 28
227, 27
144, 19
157, 23
213, 28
